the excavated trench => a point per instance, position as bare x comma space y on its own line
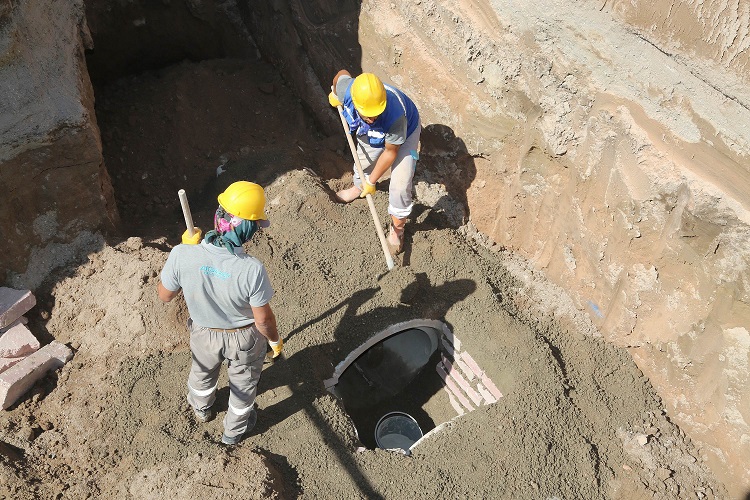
401, 372
397, 370
512, 387
195, 105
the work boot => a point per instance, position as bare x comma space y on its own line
231, 441
396, 235
204, 415
350, 194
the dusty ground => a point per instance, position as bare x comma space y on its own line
578, 419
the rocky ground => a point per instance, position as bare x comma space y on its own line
577, 420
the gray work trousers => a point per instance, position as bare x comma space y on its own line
243, 351
400, 201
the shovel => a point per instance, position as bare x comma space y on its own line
370, 202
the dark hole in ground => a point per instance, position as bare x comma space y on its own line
395, 375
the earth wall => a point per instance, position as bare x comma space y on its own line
52, 176
612, 166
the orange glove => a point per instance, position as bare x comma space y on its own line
191, 240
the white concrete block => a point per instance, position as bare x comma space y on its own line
17, 341
14, 304
18, 379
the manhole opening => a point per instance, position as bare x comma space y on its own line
392, 378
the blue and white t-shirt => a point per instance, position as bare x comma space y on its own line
399, 119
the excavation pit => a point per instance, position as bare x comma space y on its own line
576, 410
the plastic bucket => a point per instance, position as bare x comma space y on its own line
397, 430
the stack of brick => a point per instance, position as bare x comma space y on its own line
467, 385
22, 360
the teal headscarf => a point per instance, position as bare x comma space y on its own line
230, 231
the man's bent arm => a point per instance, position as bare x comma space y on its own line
385, 161
164, 294
265, 320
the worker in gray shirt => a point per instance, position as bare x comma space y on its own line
227, 293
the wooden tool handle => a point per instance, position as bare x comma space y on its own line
186, 212
370, 202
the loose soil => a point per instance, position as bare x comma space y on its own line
577, 420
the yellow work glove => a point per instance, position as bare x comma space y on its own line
367, 188
191, 240
277, 347
333, 100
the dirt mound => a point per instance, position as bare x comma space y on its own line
577, 420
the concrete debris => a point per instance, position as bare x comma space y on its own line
17, 341
15, 381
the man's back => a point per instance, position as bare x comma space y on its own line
219, 287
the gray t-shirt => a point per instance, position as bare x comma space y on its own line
219, 287
395, 135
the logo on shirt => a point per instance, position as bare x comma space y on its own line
211, 271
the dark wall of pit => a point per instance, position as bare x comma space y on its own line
307, 41
131, 37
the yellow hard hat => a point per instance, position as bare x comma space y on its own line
244, 199
368, 95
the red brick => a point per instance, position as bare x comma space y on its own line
472, 364
453, 401
14, 304
446, 363
486, 394
447, 346
16, 380
17, 341
453, 387
455, 375
450, 343
6, 363
465, 369
482, 375
491, 387
456, 343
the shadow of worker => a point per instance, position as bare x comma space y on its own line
297, 381
443, 176
445, 160
295, 384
